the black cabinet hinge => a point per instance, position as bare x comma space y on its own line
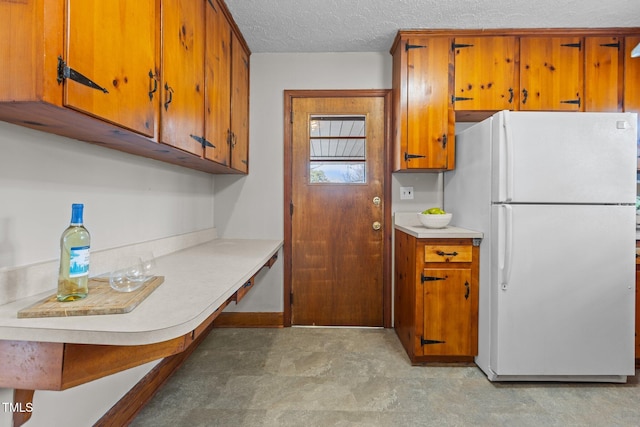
66, 72
616, 45
459, 98
290, 208
412, 46
571, 101
408, 156
203, 141
424, 278
578, 45
455, 45
425, 342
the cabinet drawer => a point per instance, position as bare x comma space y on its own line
448, 253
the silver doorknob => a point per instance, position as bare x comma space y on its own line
376, 201
377, 225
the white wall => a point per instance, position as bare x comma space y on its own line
253, 206
128, 199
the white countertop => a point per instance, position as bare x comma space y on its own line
408, 222
198, 280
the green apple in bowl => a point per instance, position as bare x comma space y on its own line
434, 211
434, 218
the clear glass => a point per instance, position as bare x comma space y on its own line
337, 173
337, 149
148, 265
128, 275
132, 272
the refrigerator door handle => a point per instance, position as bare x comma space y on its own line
508, 138
505, 265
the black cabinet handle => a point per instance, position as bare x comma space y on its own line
155, 85
467, 291
447, 253
169, 90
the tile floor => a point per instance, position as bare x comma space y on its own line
362, 377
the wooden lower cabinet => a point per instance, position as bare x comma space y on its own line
436, 298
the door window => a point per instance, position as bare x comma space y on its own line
337, 149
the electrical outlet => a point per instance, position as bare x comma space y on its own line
406, 193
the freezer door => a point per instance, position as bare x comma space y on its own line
544, 157
562, 290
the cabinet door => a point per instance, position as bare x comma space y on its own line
239, 106
603, 72
182, 89
631, 76
551, 73
218, 85
448, 307
121, 64
429, 114
485, 73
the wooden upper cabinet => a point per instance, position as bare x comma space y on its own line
227, 100
424, 117
551, 76
631, 76
485, 73
218, 92
112, 76
125, 75
239, 106
182, 84
603, 73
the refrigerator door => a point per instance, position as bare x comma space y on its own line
544, 157
562, 291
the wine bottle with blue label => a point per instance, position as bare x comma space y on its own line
73, 278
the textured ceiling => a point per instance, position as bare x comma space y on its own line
371, 25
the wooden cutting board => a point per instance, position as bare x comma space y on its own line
101, 300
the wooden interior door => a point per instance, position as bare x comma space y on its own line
337, 219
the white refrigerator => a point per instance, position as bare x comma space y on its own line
554, 194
